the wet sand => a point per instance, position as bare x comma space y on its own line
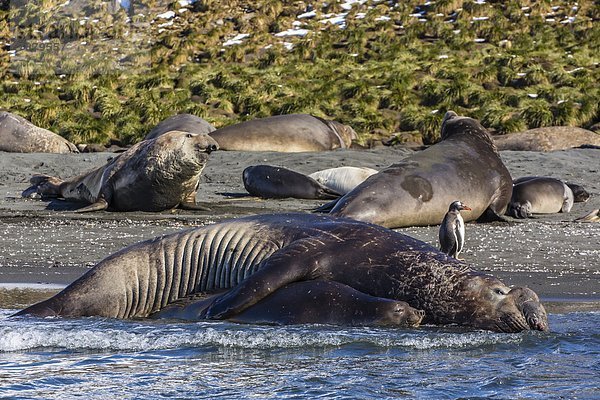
46, 246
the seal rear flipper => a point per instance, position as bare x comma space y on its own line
326, 193
491, 216
43, 185
100, 205
327, 207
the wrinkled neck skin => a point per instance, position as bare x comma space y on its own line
452, 293
489, 304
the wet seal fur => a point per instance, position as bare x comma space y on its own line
307, 302
181, 122
255, 256
153, 175
271, 182
17, 135
580, 195
285, 133
417, 190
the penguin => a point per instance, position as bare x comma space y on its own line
452, 230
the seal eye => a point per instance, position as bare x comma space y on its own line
189, 135
499, 291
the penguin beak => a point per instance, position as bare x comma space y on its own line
466, 208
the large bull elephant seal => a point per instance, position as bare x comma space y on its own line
271, 182
286, 133
308, 302
255, 256
153, 175
541, 195
181, 122
17, 135
416, 191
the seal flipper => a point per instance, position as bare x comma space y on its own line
100, 205
490, 215
327, 207
295, 262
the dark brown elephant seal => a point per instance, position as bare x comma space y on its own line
580, 195
286, 133
418, 189
17, 135
257, 255
181, 122
308, 302
271, 182
541, 195
548, 138
153, 175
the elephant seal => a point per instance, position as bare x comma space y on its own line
549, 138
286, 133
541, 195
342, 179
277, 183
153, 175
593, 216
580, 195
308, 302
255, 256
181, 122
417, 190
17, 135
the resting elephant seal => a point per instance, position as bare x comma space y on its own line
256, 255
153, 175
181, 122
17, 135
308, 302
549, 138
418, 189
580, 195
277, 183
286, 133
342, 179
542, 195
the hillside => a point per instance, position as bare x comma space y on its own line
109, 72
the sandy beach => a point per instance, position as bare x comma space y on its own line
45, 246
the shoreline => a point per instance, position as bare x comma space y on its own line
45, 243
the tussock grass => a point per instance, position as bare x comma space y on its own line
396, 66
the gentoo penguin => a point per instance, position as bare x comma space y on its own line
452, 230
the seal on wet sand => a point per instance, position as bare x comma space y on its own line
580, 195
17, 135
285, 133
153, 175
308, 302
541, 195
256, 255
418, 189
271, 182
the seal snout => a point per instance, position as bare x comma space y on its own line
211, 147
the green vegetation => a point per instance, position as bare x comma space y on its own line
511, 64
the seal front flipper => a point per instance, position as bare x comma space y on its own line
296, 262
327, 207
100, 205
491, 216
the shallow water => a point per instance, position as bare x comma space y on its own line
102, 358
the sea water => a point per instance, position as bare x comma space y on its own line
106, 358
